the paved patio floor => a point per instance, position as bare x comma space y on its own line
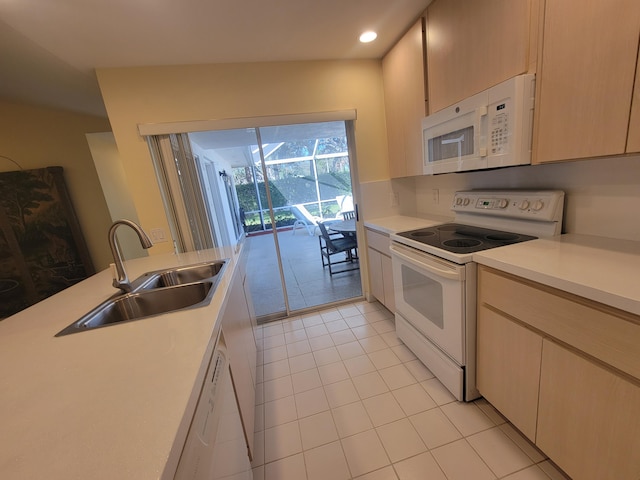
308, 283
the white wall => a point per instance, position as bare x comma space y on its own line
116, 192
602, 195
219, 205
144, 95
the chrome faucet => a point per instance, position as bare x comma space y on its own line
121, 280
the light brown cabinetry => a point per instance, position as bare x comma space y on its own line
597, 409
508, 371
404, 101
380, 268
633, 141
237, 328
586, 72
586, 414
472, 46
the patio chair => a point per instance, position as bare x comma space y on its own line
350, 215
345, 204
304, 219
331, 245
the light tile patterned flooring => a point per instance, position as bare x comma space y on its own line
340, 397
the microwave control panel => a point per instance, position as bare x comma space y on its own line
499, 134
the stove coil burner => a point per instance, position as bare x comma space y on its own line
502, 237
462, 243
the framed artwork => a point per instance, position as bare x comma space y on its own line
42, 250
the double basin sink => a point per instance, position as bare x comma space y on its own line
155, 293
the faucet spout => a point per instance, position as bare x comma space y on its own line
122, 280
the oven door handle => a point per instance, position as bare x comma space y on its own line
425, 263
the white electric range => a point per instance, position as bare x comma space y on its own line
435, 277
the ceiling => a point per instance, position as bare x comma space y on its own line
49, 49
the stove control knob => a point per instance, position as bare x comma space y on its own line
458, 201
524, 205
466, 202
539, 205
502, 203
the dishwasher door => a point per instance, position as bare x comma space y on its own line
216, 447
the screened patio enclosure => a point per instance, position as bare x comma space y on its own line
305, 165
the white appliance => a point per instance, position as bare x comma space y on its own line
216, 447
488, 130
435, 277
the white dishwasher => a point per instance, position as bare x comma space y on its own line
215, 447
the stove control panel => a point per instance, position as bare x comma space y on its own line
543, 205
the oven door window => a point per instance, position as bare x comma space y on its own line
424, 295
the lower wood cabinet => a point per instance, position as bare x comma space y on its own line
573, 391
588, 417
508, 370
237, 328
380, 269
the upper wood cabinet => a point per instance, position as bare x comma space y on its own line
404, 101
585, 80
633, 142
473, 45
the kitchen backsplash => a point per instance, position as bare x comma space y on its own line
602, 195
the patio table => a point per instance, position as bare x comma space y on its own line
347, 227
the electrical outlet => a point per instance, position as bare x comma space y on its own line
395, 199
157, 235
436, 196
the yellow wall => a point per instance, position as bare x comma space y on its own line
38, 137
206, 92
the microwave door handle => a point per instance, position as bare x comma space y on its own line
481, 112
448, 274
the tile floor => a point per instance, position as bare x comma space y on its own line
340, 397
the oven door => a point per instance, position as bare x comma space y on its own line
430, 295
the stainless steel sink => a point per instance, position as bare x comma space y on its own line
181, 275
155, 293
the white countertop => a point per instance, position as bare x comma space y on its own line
399, 223
602, 269
107, 403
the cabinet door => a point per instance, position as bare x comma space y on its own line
241, 348
387, 280
633, 142
508, 368
472, 46
585, 80
404, 93
375, 274
589, 417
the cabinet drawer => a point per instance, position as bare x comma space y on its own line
605, 333
379, 242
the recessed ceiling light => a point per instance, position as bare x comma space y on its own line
367, 37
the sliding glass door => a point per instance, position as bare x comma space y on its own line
273, 185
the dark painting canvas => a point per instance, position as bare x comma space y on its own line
42, 250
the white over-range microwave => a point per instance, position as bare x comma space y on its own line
488, 130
